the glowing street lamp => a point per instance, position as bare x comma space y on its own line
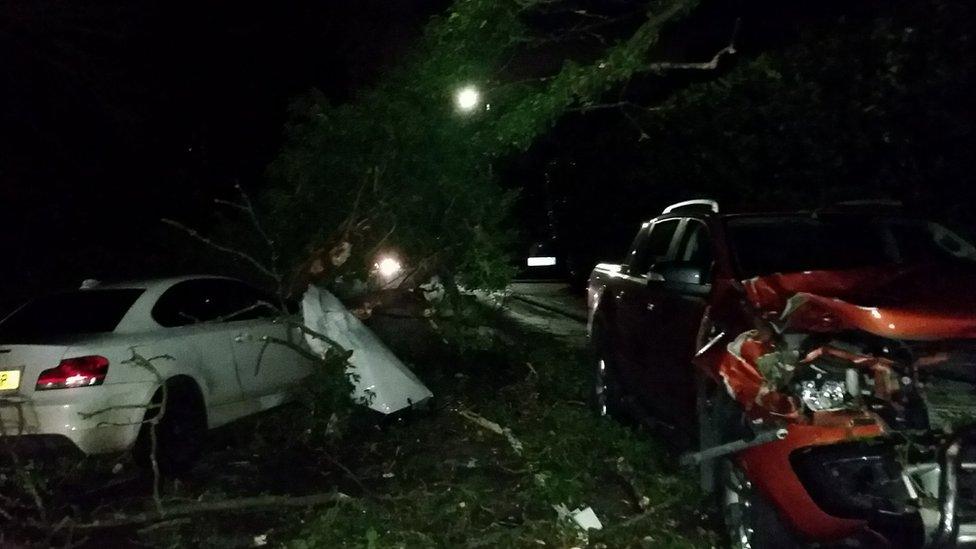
467, 99
388, 267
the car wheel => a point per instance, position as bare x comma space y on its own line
751, 521
179, 433
606, 389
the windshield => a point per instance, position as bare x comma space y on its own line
78, 312
765, 245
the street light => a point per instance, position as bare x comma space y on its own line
388, 267
467, 99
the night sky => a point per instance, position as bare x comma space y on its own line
115, 114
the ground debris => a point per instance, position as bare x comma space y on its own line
514, 442
227, 505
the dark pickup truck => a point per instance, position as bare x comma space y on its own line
820, 365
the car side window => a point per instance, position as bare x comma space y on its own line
187, 303
195, 301
247, 303
655, 247
696, 248
635, 248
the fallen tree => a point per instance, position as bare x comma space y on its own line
409, 166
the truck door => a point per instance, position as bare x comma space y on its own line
622, 288
639, 312
681, 305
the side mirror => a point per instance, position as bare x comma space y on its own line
685, 278
654, 277
683, 273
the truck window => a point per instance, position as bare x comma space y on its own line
631, 260
655, 247
696, 249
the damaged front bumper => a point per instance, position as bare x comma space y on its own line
885, 490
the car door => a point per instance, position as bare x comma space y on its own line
190, 311
681, 304
639, 312
624, 287
261, 336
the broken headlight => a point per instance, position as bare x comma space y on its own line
826, 395
825, 386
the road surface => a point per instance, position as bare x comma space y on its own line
548, 306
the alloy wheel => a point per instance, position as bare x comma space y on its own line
601, 388
737, 511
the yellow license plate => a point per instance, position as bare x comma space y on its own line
9, 380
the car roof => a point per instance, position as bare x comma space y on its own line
161, 283
787, 213
139, 317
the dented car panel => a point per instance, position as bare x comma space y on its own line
769, 468
919, 302
809, 334
868, 365
806, 335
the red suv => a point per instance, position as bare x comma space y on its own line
825, 363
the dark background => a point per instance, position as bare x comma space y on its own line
116, 114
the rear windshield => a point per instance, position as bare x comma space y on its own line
78, 312
765, 245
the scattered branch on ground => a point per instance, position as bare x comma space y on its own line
222, 506
515, 443
626, 474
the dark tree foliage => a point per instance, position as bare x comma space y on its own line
400, 168
882, 109
859, 107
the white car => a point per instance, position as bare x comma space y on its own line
67, 372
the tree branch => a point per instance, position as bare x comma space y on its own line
709, 65
225, 249
230, 505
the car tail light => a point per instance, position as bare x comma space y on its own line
83, 371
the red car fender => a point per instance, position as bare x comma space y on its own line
768, 467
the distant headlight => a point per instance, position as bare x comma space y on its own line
547, 261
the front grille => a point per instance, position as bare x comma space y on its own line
852, 479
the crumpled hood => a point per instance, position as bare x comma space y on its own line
917, 302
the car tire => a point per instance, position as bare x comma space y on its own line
606, 393
750, 521
179, 433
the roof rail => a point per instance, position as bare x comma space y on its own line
692, 205
881, 202
855, 205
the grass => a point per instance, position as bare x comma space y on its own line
437, 479
452, 483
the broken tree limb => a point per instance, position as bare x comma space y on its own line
229, 505
489, 425
270, 273
647, 513
709, 65
629, 478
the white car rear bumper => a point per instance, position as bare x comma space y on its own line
96, 420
